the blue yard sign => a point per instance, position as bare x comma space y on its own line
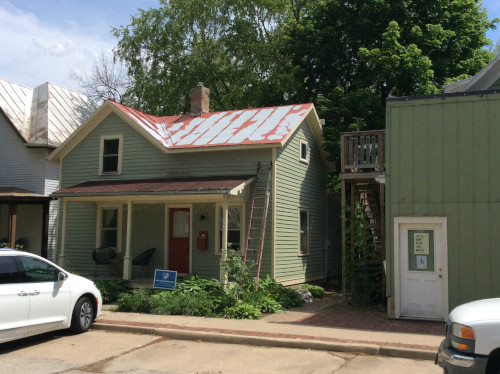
165, 279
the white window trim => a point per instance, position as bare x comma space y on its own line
120, 152
304, 160
301, 254
119, 223
217, 223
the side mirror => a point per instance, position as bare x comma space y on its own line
61, 277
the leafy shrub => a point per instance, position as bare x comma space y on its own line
139, 301
286, 297
317, 291
195, 283
242, 311
111, 289
262, 300
178, 303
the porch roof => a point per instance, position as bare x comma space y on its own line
16, 193
165, 186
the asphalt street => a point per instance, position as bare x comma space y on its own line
116, 352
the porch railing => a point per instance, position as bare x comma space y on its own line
362, 151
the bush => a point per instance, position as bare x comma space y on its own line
242, 311
112, 289
263, 301
189, 304
317, 291
139, 301
286, 297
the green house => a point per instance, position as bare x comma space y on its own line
192, 185
442, 203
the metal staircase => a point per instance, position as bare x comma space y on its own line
258, 215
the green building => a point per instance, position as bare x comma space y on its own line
442, 203
185, 185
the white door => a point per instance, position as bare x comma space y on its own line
422, 265
14, 301
49, 299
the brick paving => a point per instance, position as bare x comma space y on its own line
372, 318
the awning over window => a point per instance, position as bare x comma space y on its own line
168, 186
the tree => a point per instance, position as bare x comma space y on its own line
107, 80
233, 47
349, 57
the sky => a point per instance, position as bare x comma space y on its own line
47, 40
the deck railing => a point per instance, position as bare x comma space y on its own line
362, 151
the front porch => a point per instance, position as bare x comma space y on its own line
187, 222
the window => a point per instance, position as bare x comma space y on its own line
38, 271
109, 227
234, 227
111, 152
304, 151
9, 272
303, 232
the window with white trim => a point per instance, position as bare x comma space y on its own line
110, 161
235, 224
109, 227
303, 232
304, 151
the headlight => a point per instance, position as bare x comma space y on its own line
462, 337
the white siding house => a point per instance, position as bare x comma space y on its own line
33, 122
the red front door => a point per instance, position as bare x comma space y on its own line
178, 252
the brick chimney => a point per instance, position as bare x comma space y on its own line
200, 101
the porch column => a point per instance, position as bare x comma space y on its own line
127, 261
224, 238
12, 224
62, 255
45, 229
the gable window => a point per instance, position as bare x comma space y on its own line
234, 227
110, 155
303, 232
109, 221
304, 151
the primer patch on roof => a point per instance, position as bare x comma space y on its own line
249, 126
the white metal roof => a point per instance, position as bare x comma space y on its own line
45, 115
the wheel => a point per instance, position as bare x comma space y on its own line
83, 315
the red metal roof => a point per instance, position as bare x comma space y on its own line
235, 127
155, 186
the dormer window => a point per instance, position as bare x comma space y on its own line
111, 154
304, 151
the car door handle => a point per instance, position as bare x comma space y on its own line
34, 293
22, 293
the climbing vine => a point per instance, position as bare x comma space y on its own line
363, 265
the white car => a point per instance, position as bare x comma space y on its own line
37, 296
472, 343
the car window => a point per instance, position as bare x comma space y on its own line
37, 270
9, 272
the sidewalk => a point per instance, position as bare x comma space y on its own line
322, 325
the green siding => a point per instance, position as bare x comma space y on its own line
300, 185
205, 261
442, 162
141, 159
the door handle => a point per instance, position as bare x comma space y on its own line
22, 293
34, 293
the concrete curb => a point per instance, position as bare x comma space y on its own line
215, 337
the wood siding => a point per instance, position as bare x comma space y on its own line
441, 161
141, 159
300, 185
20, 167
